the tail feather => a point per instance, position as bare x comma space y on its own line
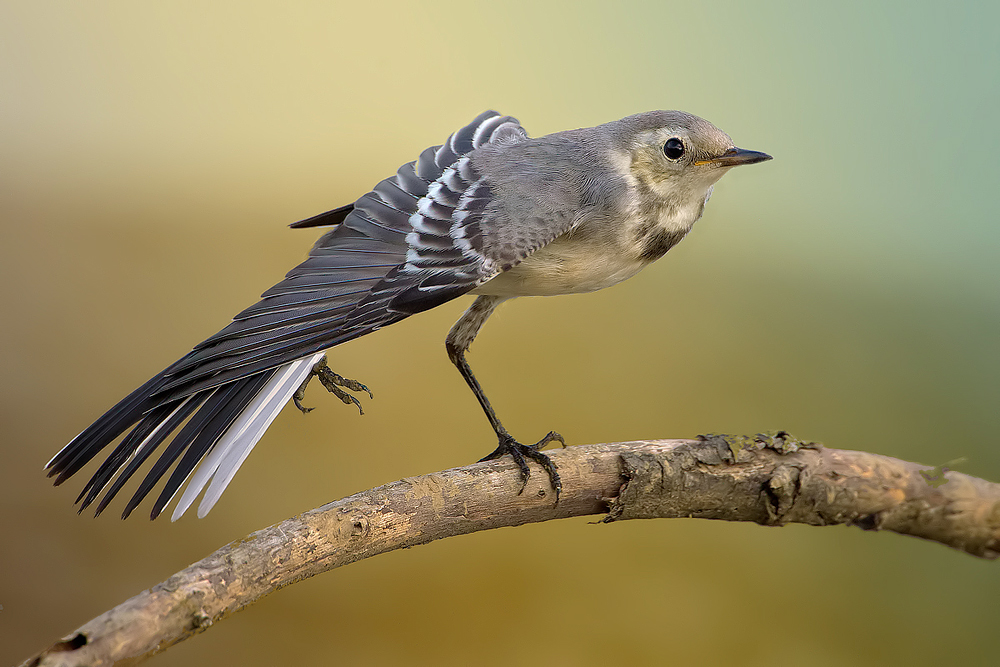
221, 421
148, 446
214, 400
231, 450
134, 442
101, 433
218, 427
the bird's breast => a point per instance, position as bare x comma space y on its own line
600, 252
568, 265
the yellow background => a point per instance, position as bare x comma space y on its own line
151, 155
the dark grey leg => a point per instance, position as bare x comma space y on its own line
457, 343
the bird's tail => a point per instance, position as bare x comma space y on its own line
220, 425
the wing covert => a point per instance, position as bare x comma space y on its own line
344, 288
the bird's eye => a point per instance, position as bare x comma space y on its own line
674, 148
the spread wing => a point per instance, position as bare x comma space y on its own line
412, 243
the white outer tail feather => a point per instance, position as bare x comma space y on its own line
228, 454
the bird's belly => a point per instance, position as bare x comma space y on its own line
560, 268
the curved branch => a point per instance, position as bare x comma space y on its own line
768, 479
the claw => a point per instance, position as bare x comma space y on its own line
328, 377
520, 453
333, 383
298, 396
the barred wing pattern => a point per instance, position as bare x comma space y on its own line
412, 243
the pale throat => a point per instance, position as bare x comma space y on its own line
662, 213
680, 205
680, 217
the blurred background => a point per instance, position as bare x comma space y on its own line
848, 291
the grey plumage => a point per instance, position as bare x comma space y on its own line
490, 212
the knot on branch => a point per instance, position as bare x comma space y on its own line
732, 477
781, 491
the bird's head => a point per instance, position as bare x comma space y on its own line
677, 156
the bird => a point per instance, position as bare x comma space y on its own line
491, 212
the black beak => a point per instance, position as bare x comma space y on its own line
734, 157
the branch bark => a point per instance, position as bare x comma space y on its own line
768, 479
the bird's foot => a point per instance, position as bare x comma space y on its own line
333, 383
521, 453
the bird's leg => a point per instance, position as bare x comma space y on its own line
459, 339
333, 384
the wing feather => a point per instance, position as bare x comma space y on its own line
415, 232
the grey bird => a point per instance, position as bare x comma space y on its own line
491, 212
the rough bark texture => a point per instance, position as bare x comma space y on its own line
768, 479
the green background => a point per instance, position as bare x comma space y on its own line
152, 154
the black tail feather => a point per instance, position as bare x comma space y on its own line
216, 399
101, 433
123, 452
224, 414
175, 419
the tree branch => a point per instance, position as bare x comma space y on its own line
768, 479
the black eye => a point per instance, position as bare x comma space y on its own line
674, 148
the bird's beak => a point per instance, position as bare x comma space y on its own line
734, 157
